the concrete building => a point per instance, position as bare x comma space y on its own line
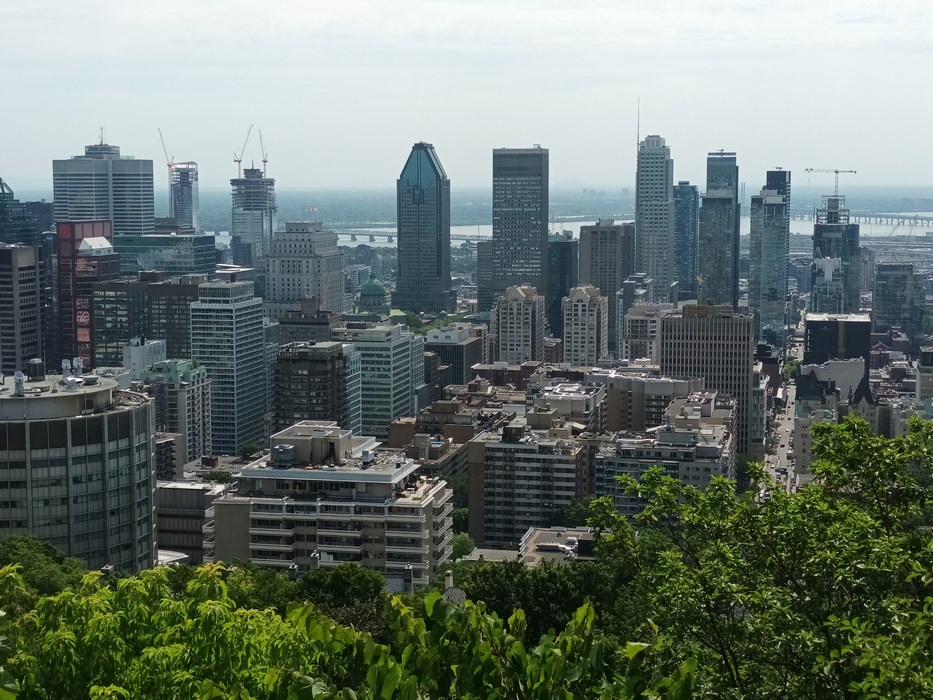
304, 262
686, 230
924, 369
141, 353
563, 259
309, 323
518, 325
392, 372
582, 404
717, 344
770, 248
607, 259
227, 338
586, 326
254, 210
103, 185
835, 237
325, 497
182, 510
637, 401
836, 337
423, 234
654, 215
23, 306
79, 474
316, 382
640, 336
718, 248
183, 194
458, 346
520, 180
181, 392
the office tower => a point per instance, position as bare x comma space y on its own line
173, 252
391, 372
459, 347
423, 215
835, 237
519, 217
899, 299
83, 257
485, 274
95, 500
827, 286
718, 246
22, 312
183, 198
607, 259
563, 268
44, 214
654, 215
686, 230
716, 344
311, 381
17, 224
586, 326
170, 311
103, 185
381, 513
253, 220
769, 249
519, 325
227, 338
836, 337
641, 331
310, 323
301, 263
636, 289
181, 392
119, 312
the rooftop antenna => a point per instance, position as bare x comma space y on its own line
102, 136
265, 156
238, 159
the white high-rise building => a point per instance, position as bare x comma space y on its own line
304, 262
654, 214
102, 184
586, 326
519, 325
228, 338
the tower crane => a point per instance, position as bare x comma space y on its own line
238, 159
835, 171
265, 156
169, 163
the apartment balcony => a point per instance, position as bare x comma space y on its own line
208, 528
338, 514
328, 562
208, 543
209, 556
285, 531
406, 548
262, 561
349, 547
442, 497
444, 512
418, 517
337, 531
413, 532
442, 556
443, 540
272, 547
402, 565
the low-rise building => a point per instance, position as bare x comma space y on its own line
182, 510
582, 404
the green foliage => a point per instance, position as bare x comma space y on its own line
791, 369
248, 450
461, 520
220, 476
462, 544
45, 570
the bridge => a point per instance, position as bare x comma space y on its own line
889, 219
356, 234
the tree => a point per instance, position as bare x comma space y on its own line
46, 571
248, 450
791, 369
462, 544
220, 476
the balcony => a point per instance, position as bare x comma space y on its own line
335, 530
344, 513
261, 561
208, 542
208, 528
208, 557
443, 497
272, 547
350, 547
414, 517
443, 540
406, 548
398, 531
286, 531
447, 510
420, 565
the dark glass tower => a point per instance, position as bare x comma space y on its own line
718, 250
17, 224
562, 257
835, 237
423, 192
686, 223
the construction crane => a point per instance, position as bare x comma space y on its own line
238, 159
835, 171
265, 156
168, 161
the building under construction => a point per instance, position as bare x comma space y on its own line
253, 216
183, 193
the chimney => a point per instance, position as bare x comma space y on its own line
448, 580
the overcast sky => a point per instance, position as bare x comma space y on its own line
342, 89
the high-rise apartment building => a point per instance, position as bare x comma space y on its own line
563, 272
391, 372
181, 392
518, 325
79, 473
301, 263
17, 224
686, 230
83, 256
183, 199
716, 344
520, 180
835, 237
314, 381
227, 338
254, 211
899, 298
718, 246
309, 323
423, 216
641, 331
769, 250
459, 347
654, 215
586, 326
103, 185
607, 259
22, 306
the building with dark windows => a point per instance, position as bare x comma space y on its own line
174, 253
459, 347
102, 184
183, 199
654, 215
835, 237
254, 211
769, 250
563, 267
899, 299
520, 179
718, 244
181, 391
836, 337
23, 306
119, 313
423, 215
18, 225
686, 229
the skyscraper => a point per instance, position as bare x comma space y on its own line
183, 202
227, 337
182, 393
686, 228
586, 326
253, 220
17, 223
607, 259
654, 214
519, 217
718, 249
22, 275
563, 267
769, 250
899, 299
423, 215
518, 325
304, 262
103, 185
835, 237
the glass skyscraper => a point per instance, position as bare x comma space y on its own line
686, 224
769, 250
654, 215
718, 245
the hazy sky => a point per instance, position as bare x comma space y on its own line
342, 89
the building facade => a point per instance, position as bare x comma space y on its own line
304, 262
654, 214
770, 248
835, 237
899, 299
183, 196
686, 230
563, 272
718, 243
254, 210
18, 225
23, 305
457, 346
181, 392
607, 259
586, 326
518, 325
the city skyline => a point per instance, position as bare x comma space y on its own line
516, 75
